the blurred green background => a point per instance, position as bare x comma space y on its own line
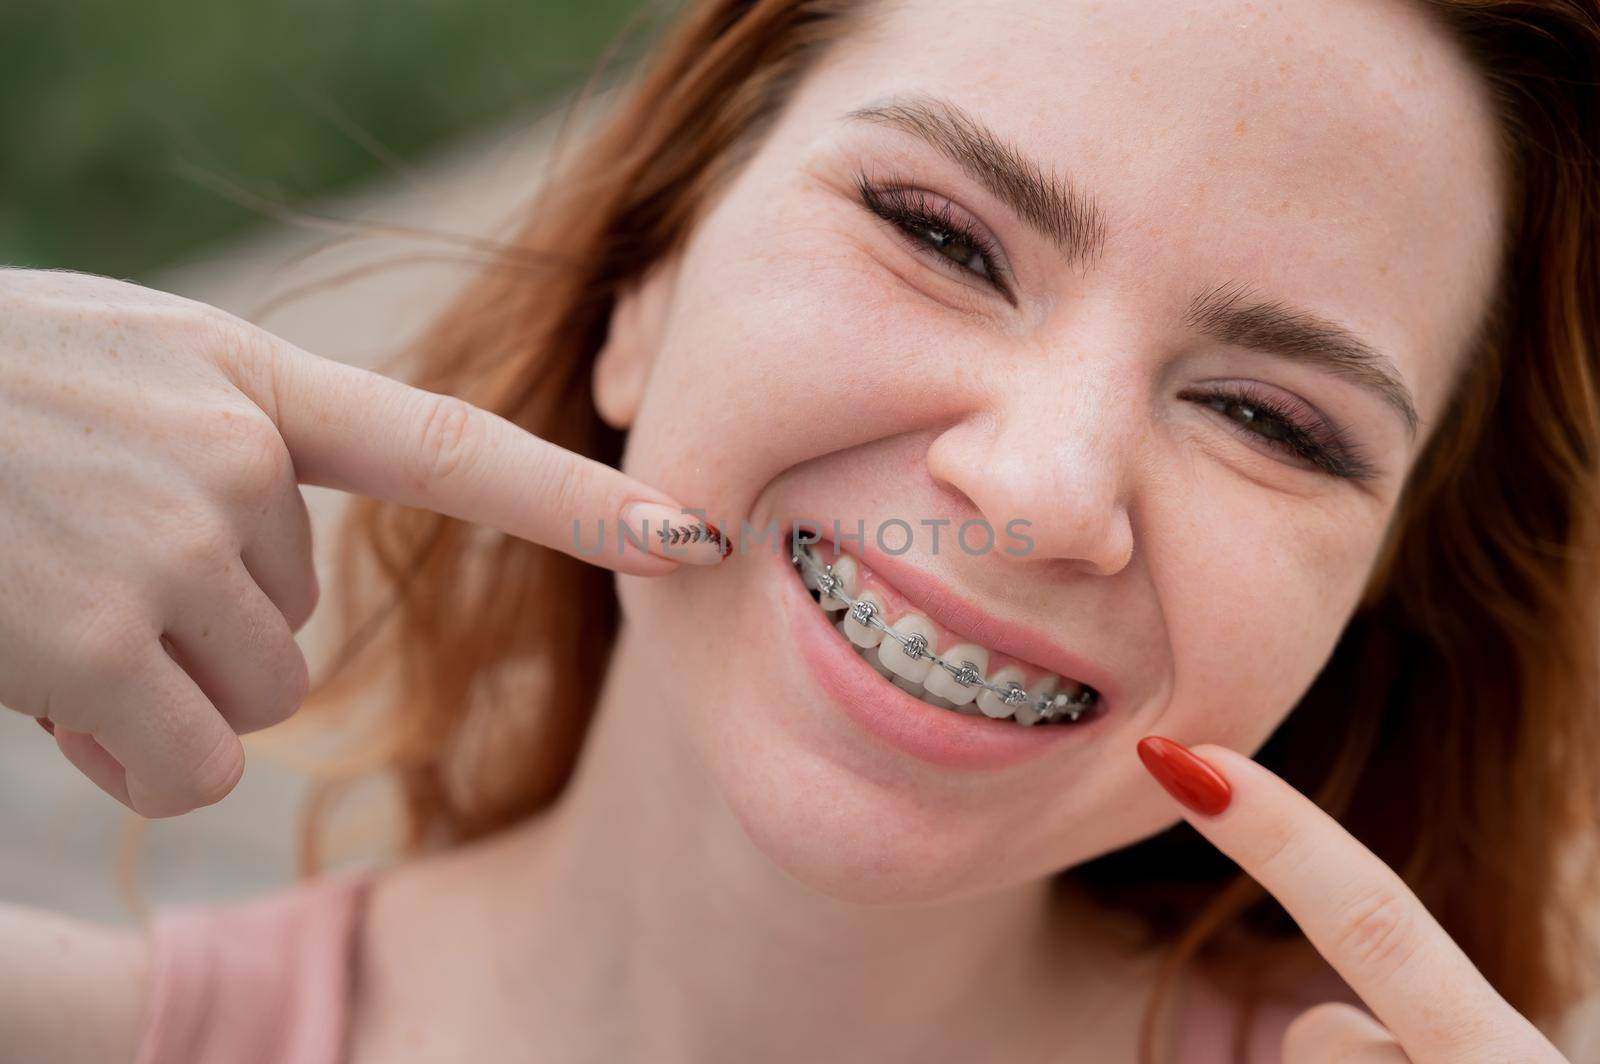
109, 107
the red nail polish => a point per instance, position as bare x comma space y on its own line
48, 726
1187, 778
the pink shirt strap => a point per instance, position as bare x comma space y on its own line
265, 979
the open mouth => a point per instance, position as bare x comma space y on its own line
927, 661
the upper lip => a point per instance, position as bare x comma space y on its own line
971, 622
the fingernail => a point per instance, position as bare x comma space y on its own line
1187, 778
669, 532
726, 544
48, 726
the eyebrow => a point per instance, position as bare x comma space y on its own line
1276, 328
1067, 217
1071, 220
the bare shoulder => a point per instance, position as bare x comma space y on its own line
419, 970
54, 966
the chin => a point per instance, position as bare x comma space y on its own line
853, 842
867, 841
836, 806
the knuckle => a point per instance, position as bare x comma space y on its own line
113, 638
1275, 846
294, 683
258, 460
177, 325
196, 547
1476, 1039
448, 440
297, 682
272, 684
1378, 929
565, 487
215, 776
308, 595
203, 329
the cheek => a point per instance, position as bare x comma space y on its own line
733, 389
1257, 597
788, 339
772, 353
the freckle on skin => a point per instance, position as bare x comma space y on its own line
1238, 128
1133, 75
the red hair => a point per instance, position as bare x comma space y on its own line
1456, 729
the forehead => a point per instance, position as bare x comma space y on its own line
1340, 155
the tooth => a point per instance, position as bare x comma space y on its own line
864, 635
844, 571
992, 704
870, 656
909, 686
1044, 685
892, 654
941, 683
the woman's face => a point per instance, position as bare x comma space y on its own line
1183, 200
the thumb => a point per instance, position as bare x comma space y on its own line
1336, 1031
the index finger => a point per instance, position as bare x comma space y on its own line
358, 431
1356, 911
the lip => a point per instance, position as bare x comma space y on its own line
939, 737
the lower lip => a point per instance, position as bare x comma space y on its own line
905, 723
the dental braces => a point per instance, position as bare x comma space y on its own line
915, 645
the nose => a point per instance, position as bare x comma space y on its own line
1065, 470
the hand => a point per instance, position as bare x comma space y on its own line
1433, 1004
155, 550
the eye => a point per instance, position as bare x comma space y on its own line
934, 230
1303, 435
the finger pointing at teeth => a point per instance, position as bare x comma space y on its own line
1356, 911
358, 431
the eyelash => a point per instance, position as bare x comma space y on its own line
911, 211
1329, 449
